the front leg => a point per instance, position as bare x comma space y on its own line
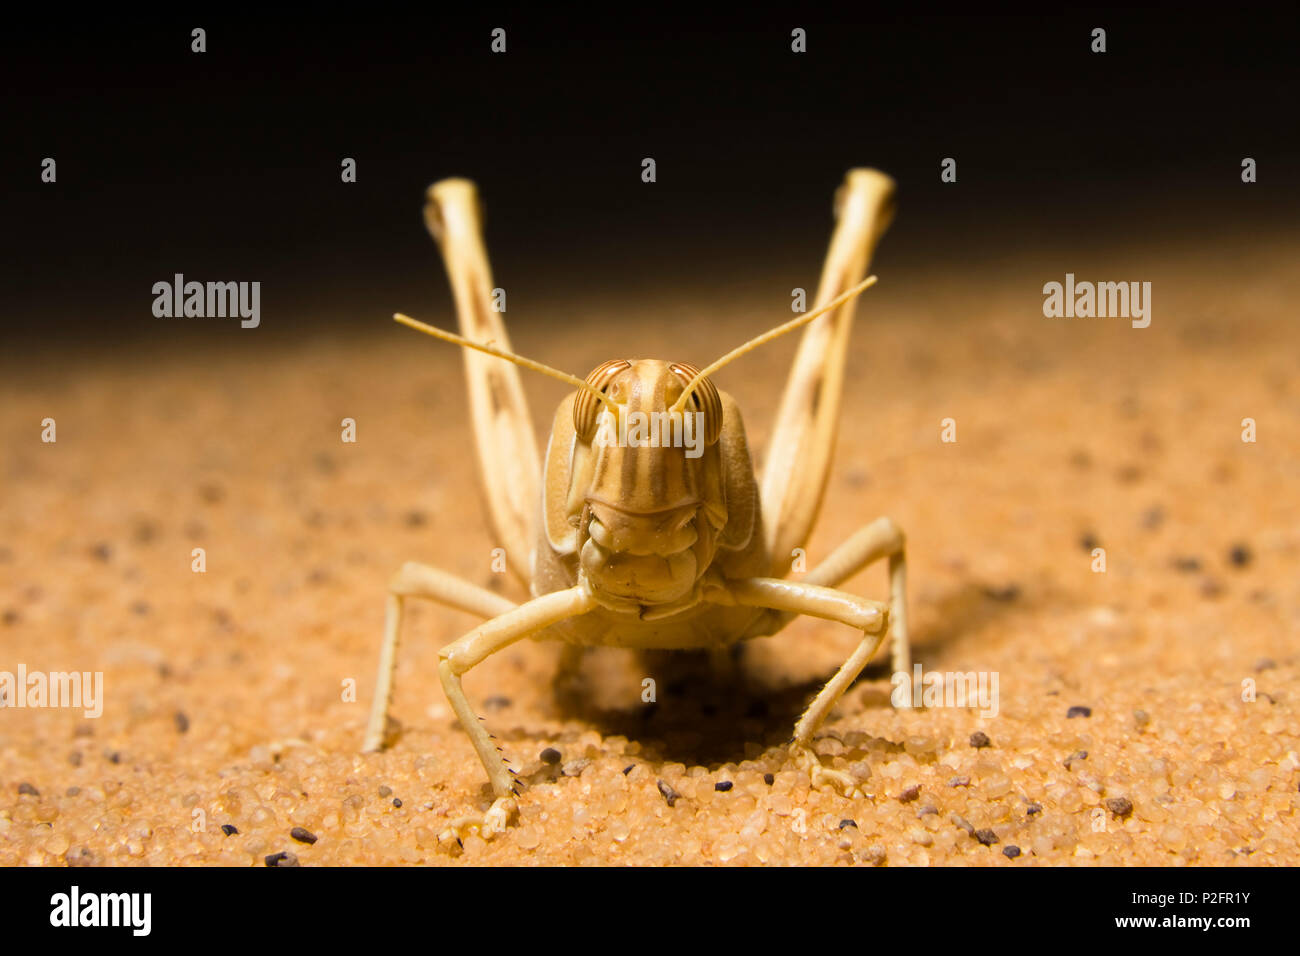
870, 617
475, 647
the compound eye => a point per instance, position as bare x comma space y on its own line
586, 407
704, 399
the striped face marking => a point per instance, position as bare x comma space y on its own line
647, 484
648, 473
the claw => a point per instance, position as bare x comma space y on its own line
822, 777
494, 820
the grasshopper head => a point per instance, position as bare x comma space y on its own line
643, 504
645, 479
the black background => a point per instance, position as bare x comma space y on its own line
226, 165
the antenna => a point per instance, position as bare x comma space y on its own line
771, 334
455, 339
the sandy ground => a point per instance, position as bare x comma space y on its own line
225, 692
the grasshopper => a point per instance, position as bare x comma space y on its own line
638, 545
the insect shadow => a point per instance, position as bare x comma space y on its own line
706, 708
711, 710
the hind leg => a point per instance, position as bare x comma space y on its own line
798, 457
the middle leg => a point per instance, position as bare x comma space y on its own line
422, 581
880, 539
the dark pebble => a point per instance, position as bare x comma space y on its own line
980, 739
1120, 806
144, 532
282, 859
416, 519
1211, 588
385, 791
848, 823
550, 755
397, 802
1188, 564
229, 829
962, 781
1239, 556
1078, 710
1265, 664
1033, 808
722, 786
73, 791
628, 769
1153, 517
1077, 755
211, 493
669, 793
11, 616
114, 756
28, 789
302, 836
987, 837
1006, 593
182, 722
496, 703
1011, 852
1088, 542
102, 551
910, 794
769, 778
140, 608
